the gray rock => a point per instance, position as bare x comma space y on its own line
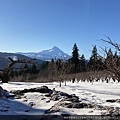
112, 100
1, 89
55, 97
47, 101
2, 93
77, 105
53, 109
42, 89
43, 98
69, 105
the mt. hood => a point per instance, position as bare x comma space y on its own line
47, 55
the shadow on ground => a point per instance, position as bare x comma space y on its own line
11, 109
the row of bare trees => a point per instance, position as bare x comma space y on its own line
59, 70
103, 68
113, 61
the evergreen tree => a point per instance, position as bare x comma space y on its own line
26, 68
75, 59
82, 64
109, 54
116, 55
33, 69
95, 62
44, 65
93, 57
75, 55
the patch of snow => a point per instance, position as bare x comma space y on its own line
97, 94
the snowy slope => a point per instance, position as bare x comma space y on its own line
47, 55
95, 94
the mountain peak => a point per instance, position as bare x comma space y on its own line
54, 52
55, 47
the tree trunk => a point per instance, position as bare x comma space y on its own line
5, 78
60, 83
65, 82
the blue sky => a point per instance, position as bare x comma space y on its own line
35, 25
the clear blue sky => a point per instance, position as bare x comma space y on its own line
35, 25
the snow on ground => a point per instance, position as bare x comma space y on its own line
96, 93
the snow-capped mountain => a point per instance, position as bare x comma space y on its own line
47, 55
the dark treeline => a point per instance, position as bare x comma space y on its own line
96, 68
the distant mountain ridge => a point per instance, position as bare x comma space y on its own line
47, 55
4, 61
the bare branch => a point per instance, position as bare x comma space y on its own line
4, 75
109, 41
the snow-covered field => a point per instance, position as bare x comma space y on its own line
96, 94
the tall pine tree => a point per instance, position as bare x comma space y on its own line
33, 69
109, 54
93, 59
75, 55
94, 54
75, 59
95, 63
82, 63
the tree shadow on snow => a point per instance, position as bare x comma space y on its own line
11, 109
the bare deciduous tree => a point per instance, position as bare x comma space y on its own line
59, 70
113, 62
114, 44
4, 74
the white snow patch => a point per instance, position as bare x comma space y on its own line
97, 94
